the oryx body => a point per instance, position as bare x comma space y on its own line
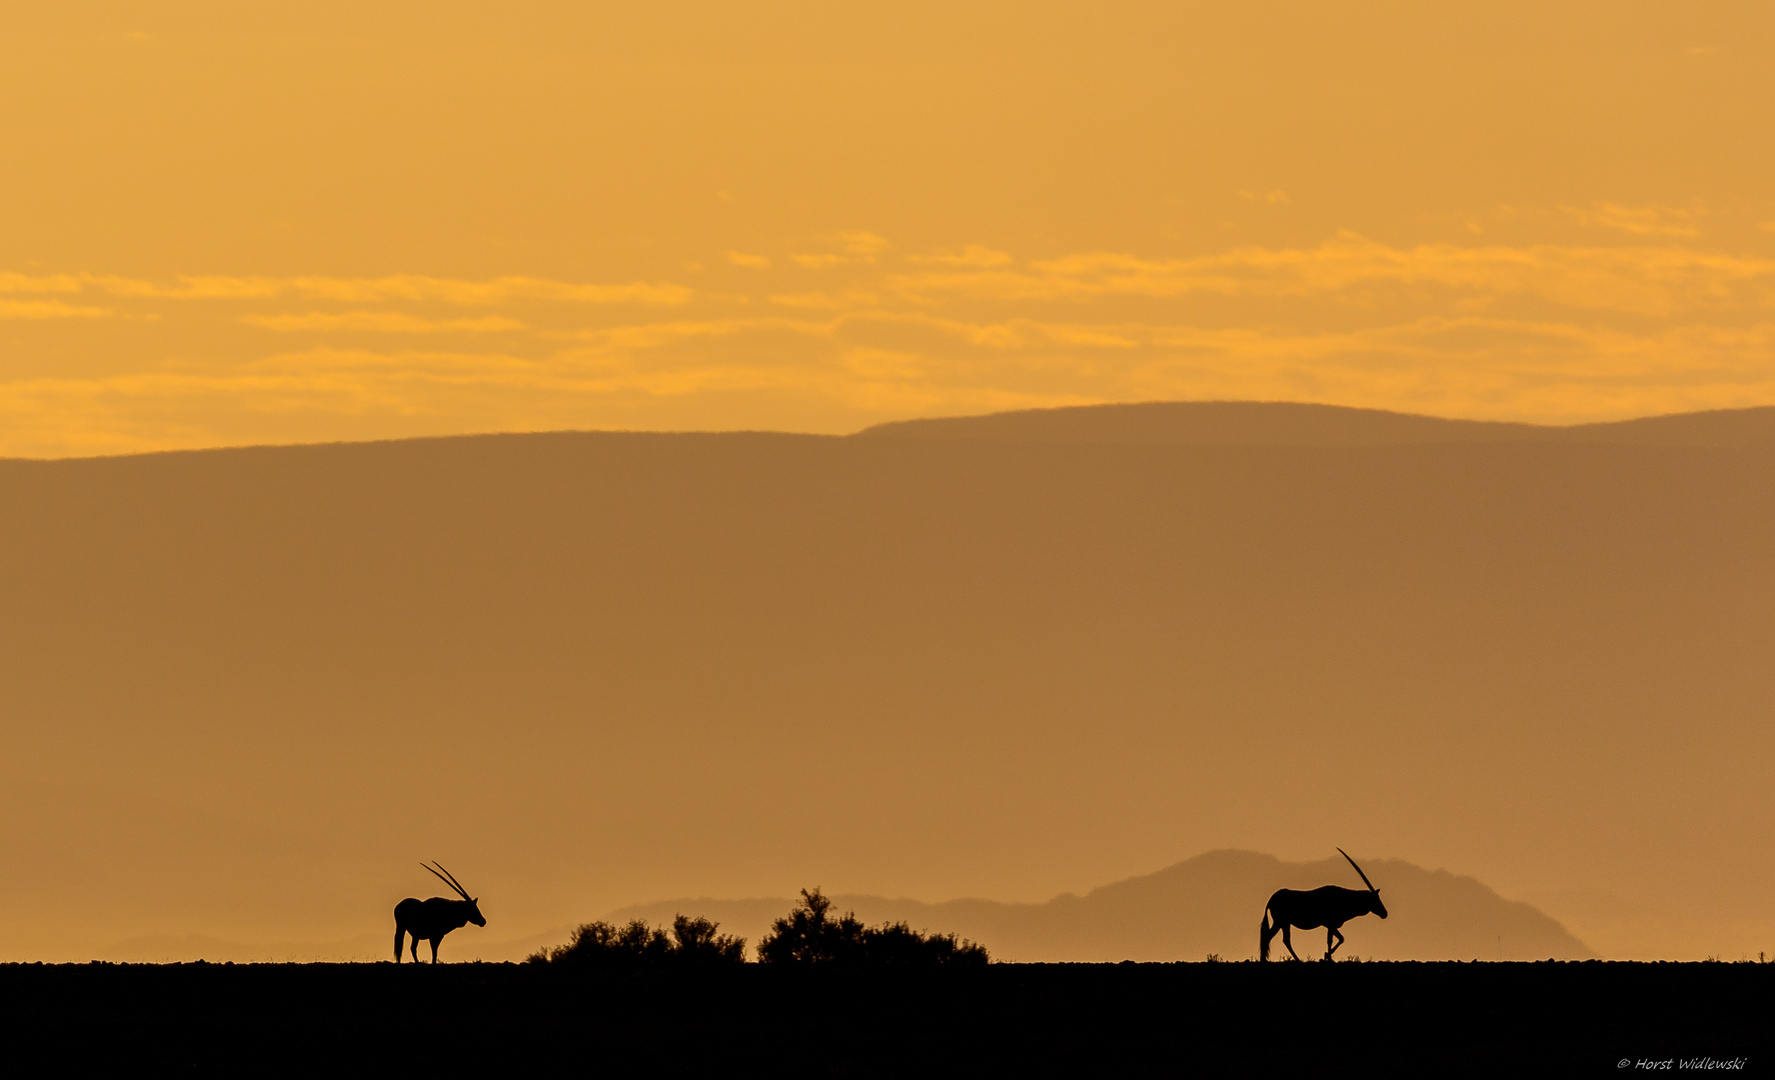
1329, 906
430, 920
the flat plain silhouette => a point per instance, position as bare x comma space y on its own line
432, 919
1329, 906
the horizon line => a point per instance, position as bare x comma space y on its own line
877, 426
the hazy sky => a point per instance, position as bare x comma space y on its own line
278, 222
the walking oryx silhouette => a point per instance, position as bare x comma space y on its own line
432, 919
1329, 906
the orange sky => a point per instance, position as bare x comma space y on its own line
286, 222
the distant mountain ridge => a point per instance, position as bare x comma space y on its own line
1209, 904
1283, 423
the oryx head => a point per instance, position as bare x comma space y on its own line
474, 905
1374, 893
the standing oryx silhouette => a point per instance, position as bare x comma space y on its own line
432, 919
1329, 906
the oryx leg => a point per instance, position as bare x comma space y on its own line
434, 949
415, 948
1330, 946
1286, 941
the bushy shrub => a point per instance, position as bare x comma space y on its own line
691, 943
810, 934
697, 942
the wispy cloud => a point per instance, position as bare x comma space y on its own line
390, 322
1644, 280
819, 261
50, 309
973, 255
865, 244
880, 364
1638, 220
854, 248
30, 284
413, 288
1546, 332
849, 299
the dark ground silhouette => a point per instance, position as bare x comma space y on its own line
1428, 1019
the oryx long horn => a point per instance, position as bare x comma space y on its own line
460, 891
1358, 870
457, 885
454, 882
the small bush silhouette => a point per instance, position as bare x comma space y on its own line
602, 945
811, 935
695, 941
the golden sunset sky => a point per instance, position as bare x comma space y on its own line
233, 223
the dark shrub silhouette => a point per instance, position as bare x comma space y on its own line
696, 942
810, 935
602, 945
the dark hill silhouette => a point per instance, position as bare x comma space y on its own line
1719, 428
1253, 423
1209, 904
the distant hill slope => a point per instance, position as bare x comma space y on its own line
1209, 904
244, 692
1280, 423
